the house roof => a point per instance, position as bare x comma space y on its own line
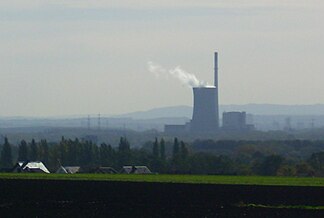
105, 170
61, 170
136, 170
32, 166
68, 169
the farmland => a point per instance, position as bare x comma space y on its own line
159, 195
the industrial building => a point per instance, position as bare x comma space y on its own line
205, 118
205, 112
235, 121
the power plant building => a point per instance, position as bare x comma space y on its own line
205, 111
205, 118
236, 121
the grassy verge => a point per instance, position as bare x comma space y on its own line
195, 179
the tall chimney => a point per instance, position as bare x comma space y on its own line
216, 70
216, 85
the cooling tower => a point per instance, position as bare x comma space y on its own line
205, 118
205, 113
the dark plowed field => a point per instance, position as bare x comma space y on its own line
57, 198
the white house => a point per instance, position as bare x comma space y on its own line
30, 167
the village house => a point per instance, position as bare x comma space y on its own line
68, 169
104, 170
136, 170
30, 167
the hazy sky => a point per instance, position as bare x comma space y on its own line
67, 57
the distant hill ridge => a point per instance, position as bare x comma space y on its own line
256, 109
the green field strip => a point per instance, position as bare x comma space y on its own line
192, 179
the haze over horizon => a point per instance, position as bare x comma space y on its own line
81, 57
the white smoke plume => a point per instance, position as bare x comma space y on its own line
184, 77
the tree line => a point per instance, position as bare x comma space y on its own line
173, 157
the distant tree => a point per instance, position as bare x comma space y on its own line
88, 153
106, 154
156, 149
206, 163
162, 150
183, 151
44, 151
71, 151
61, 152
33, 156
182, 162
286, 170
23, 151
270, 165
6, 155
175, 162
124, 152
95, 155
175, 153
202, 163
76, 147
123, 145
304, 169
103, 153
317, 162
84, 153
53, 162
